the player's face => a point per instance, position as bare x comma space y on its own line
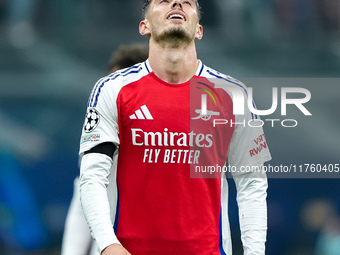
172, 19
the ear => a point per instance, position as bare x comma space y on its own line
199, 32
144, 28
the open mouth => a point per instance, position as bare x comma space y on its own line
177, 16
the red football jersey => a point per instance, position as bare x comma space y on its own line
171, 197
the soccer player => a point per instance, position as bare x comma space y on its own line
146, 115
77, 239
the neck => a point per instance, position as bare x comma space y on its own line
173, 64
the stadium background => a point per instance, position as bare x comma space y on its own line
52, 52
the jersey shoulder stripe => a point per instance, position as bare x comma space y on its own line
211, 73
123, 77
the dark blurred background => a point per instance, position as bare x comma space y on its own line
52, 52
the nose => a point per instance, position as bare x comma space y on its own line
177, 3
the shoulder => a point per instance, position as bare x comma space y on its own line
113, 83
128, 75
221, 78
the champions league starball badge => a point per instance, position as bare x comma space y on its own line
91, 120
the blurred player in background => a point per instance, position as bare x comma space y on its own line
77, 239
128, 55
144, 112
